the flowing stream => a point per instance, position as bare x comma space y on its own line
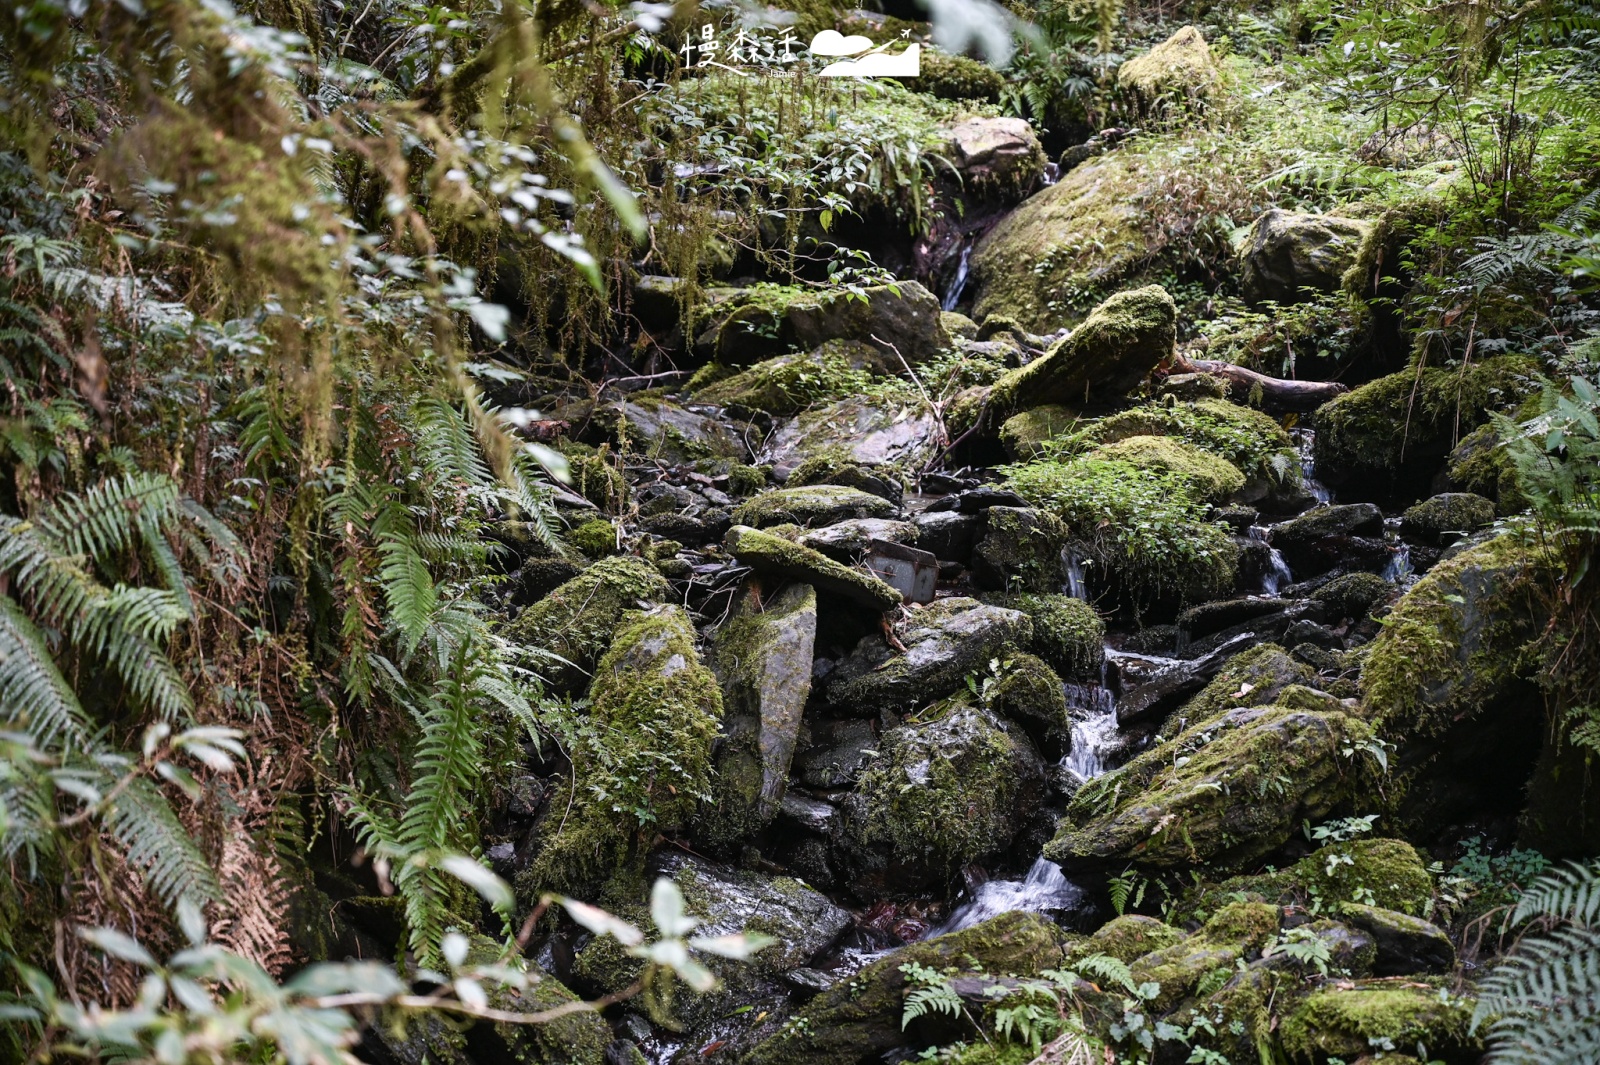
1277, 576
958, 284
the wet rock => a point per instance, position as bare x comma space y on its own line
1255, 677
813, 815
1406, 944
1284, 252
1021, 549
840, 752
1386, 871
859, 1019
811, 505
762, 658
1320, 539
769, 554
1250, 777
943, 643
991, 152
1179, 69
576, 621
1350, 950
1159, 695
838, 469
1350, 1020
1353, 595
1446, 517
947, 534
1207, 618
1102, 360
978, 500
940, 795
1236, 932
653, 704
1030, 694
655, 429
847, 541
1126, 938
858, 431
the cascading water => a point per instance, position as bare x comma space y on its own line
1399, 570
1072, 565
1277, 575
1044, 888
1305, 443
958, 284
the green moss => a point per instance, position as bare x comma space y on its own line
1346, 1022
1479, 464
1451, 512
1021, 550
1237, 931
1022, 434
835, 465
1353, 595
1253, 442
708, 375
1126, 938
1412, 416
1179, 69
789, 384
817, 504
576, 620
1255, 677
747, 480
955, 77
1029, 693
640, 769
595, 476
1380, 872
768, 553
1209, 477
595, 538
1067, 632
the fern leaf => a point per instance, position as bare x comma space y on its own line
156, 843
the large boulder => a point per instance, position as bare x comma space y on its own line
1284, 253
1385, 873
1406, 944
1024, 435
1022, 549
766, 553
1235, 933
865, 432
655, 428
996, 153
1351, 1019
744, 326
1179, 69
859, 1019
1321, 539
1101, 361
642, 768
788, 384
940, 794
1225, 792
943, 643
1448, 515
812, 504
1067, 633
575, 622
762, 657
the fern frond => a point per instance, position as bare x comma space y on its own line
1570, 893
34, 697
156, 843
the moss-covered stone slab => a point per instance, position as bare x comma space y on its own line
1353, 595
1349, 1021
576, 621
849, 540
1449, 512
1284, 253
1388, 872
1213, 478
745, 326
1222, 793
1406, 944
1032, 696
811, 505
1105, 358
1320, 539
865, 432
860, 1018
649, 426
1023, 435
1021, 550
766, 553
1236, 932
1255, 677
788, 384
1126, 938
762, 657
943, 643
643, 768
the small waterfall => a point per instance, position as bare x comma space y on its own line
1093, 731
1072, 565
1044, 888
958, 284
1051, 175
1305, 442
1399, 568
1277, 576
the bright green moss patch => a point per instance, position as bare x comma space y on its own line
1023, 434
789, 384
595, 538
1253, 442
1401, 1014
1376, 872
575, 622
1251, 678
1179, 69
1067, 632
1211, 478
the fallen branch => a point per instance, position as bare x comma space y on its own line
1277, 395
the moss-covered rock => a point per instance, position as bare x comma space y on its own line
594, 476
869, 432
1321, 539
838, 467
996, 155
1251, 441
1381, 872
771, 554
596, 538
1255, 677
1377, 1014
1213, 479
1022, 434
955, 77
860, 1018
943, 642
643, 768
1353, 595
940, 794
1020, 550
1067, 633
1179, 70
651, 426
788, 384
1236, 932
1225, 792
1405, 944
1126, 938
576, 620
1479, 464
812, 504
1283, 254
1408, 421
1106, 357
1030, 694
1449, 512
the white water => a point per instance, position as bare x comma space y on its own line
1075, 587
1277, 575
1044, 888
1399, 568
1304, 441
958, 284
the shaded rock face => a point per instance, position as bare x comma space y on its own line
1284, 253
744, 327
1405, 944
866, 433
858, 1019
1346, 1021
939, 795
1021, 550
762, 658
1446, 517
1323, 538
943, 643
659, 429
769, 554
996, 151
1250, 777
815, 504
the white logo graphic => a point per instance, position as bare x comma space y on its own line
876, 63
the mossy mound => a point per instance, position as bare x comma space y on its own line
1379, 872
939, 795
642, 768
790, 383
1023, 434
1236, 932
1251, 441
1067, 633
1408, 420
955, 77
1224, 793
1179, 70
1479, 464
1449, 512
1373, 1014
809, 505
576, 621
1105, 358
1126, 938
767, 553
596, 538
1256, 677
1021, 550
1209, 477
1030, 694
1353, 595
595, 476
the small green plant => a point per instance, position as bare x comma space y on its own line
1302, 945
1340, 830
932, 993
